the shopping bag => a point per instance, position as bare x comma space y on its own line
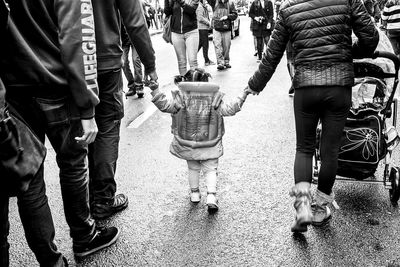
21, 154
167, 30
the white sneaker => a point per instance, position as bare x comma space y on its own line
195, 196
212, 202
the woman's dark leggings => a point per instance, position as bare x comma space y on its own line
330, 105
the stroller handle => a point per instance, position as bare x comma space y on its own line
388, 55
396, 62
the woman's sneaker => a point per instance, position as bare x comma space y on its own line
195, 196
321, 212
103, 237
212, 203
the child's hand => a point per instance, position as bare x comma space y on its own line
248, 91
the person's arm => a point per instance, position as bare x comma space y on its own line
364, 29
168, 4
251, 11
232, 11
275, 49
164, 103
200, 15
233, 106
135, 23
78, 52
270, 12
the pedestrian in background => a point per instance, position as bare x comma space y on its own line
204, 25
49, 70
197, 110
184, 32
320, 35
103, 153
391, 23
224, 13
135, 82
262, 15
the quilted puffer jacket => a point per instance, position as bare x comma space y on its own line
197, 127
320, 32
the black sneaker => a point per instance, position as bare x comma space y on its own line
228, 66
131, 92
220, 67
102, 211
103, 237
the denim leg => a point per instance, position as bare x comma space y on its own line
226, 45
192, 44
33, 205
4, 231
217, 39
178, 41
38, 224
103, 152
137, 66
63, 125
395, 41
125, 65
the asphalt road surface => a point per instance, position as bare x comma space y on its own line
162, 228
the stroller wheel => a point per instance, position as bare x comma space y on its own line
394, 178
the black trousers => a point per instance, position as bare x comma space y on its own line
203, 43
331, 106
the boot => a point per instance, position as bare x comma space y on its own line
320, 209
302, 204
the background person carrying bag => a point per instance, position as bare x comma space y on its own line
219, 24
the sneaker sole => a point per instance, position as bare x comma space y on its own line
325, 221
87, 253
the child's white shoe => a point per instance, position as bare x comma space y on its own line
212, 202
195, 196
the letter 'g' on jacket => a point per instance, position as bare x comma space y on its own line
197, 127
51, 47
320, 34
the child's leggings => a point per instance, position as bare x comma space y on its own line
209, 169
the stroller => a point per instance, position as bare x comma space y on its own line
369, 136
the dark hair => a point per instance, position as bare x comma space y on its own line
196, 75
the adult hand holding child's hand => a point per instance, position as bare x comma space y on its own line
248, 91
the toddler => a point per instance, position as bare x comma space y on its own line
197, 109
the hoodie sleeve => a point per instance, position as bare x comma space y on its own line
135, 23
78, 52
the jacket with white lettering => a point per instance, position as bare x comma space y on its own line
107, 16
51, 51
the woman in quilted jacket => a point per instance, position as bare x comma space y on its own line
320, 34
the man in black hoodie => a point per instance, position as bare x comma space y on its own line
103, 153
49, 70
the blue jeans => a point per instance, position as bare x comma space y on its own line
137, 78
186, 46
222, 44
58, 118
331, 105
103, 152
